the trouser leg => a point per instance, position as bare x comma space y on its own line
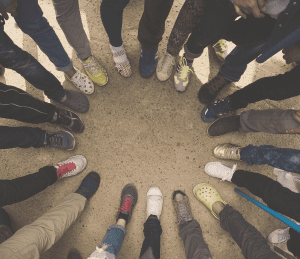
293, 242
22, 188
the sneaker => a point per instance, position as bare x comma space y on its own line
221, 49
165, 67
227, 151
59, 139
2, 70
154, 202
182, 207
76, 101
286, 179
209, 91
123, 68
279, 236
5, 226
224, 125
220, 170
68, 120
89, 185
74, 254
95, 71
216, 109
129, 198
148, 62
72, 166
82, 82
182, 74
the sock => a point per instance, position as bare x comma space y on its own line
89, 185
123, 216
119, 54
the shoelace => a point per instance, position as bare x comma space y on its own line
55, 140
65, 168
219, 107
92, 66
126, 206
167, 61
185, 69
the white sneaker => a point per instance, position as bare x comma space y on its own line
82, 82
220, 170
286, 179
72, 166
279, 236
165, 67
154, 202
182, 75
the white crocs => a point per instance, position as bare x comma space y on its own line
82, 82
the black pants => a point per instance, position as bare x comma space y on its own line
22, 188
276, 197
276, 88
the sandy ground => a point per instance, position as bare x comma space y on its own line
139, 131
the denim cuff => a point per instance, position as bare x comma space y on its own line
65, 68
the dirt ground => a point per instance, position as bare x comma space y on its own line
139, 131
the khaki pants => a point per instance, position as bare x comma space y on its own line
32, 240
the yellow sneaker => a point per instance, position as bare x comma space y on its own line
95, 71
221, 49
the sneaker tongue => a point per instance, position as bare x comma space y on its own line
62, 170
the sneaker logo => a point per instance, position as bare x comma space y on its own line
126, 206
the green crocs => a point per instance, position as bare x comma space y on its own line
208, 195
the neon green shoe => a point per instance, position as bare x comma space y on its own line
208, 195
181, 77
221, 49
95, 71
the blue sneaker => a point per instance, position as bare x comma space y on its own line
148, 62
216, 109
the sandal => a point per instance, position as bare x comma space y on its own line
208, 195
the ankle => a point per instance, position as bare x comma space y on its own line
217, 207
71, 72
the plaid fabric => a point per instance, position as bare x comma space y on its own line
190, 14
4, 3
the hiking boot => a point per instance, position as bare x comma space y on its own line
165, 67
59, 139
216, 109
221, 49
227, 151
182, 75
68, 120
148, 62
95, 71
224, 125
209, 91
72, 166
129, 198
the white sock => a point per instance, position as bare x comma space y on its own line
118, 57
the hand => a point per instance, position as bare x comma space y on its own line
11, 8
255, 7
292, 54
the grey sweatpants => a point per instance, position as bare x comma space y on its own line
269, 121
69, 19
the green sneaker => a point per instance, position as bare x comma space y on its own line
95, 71
181, 77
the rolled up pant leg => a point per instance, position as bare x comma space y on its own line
247, 237
269, 121
32, 240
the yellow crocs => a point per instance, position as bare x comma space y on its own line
208, 195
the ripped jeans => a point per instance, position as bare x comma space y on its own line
283, 158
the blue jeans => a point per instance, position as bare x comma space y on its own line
11, 56
31, 21
283, 158
23, 137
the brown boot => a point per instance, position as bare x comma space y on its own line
209, 91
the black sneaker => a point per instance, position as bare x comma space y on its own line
224, 125
129, 198
68, 120
5, 226
60, 139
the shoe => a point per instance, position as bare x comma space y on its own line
221, 49
209, 91
279, 236
95, 71
72, 166
220, 170
59, 139
216, 109
154, 202
165, 67
208, 195
5, 226
68, 120
286, 179
148, 62
224, 125
89, 185
82, 82
123, 68
74, 254
182, 74
76, 101
2, 70
227, 151
182, 207
129, 198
